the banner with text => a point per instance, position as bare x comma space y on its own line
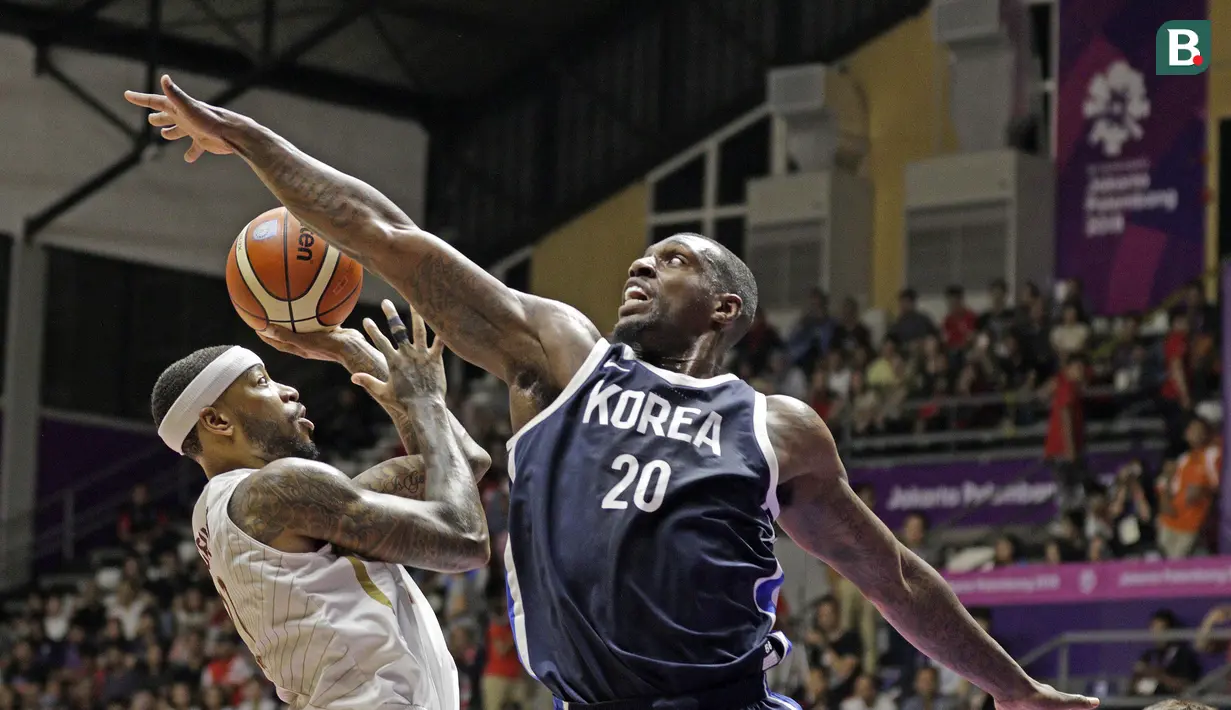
1130, 155
1094, 582
1008, 492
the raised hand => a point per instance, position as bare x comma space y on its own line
345, 346
415, 369
181, 116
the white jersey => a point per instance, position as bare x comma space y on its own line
329, 631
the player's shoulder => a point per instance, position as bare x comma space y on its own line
565, 334
272, 496
798, 434
788, 412
288, 476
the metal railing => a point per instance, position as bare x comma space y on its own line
949, 407
1203, 690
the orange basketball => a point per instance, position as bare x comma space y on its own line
280, 273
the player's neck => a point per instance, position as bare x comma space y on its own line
219, 464
701, 359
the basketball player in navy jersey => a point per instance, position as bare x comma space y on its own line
641, 571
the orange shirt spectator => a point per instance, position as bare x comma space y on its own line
1187, 495
1066, 427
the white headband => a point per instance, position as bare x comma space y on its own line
204, 390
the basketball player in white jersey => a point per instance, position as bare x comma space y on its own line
307, 561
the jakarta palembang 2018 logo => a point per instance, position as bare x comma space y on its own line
1116, 105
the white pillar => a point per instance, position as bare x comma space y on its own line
23, 370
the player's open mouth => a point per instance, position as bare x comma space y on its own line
635, 293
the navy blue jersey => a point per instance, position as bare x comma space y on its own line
640, 557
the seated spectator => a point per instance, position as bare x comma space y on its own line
1068, 536
839, 374
813, 333
787, 378
1186, 496
89, 612
1005, 553
1027, 297
227, 667
850, 334
867, 696
253, 696
998, 320
139, 519
757, 344
1071, 336
865, 406
927, 692
817, 696
1202, 316
834, 649
911, 325
467, 656
1035, 336
914, 536
1015, 371
960, 324
822, 398
1168, 667
126, 607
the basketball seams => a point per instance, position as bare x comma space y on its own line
274, 307
320, 266
286, 268
260, 284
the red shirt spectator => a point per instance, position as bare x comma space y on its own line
960, 324
1066, 428
1175, 358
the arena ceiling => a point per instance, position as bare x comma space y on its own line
536, 108
417, 58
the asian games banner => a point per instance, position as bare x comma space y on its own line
1095, 582
1130, 155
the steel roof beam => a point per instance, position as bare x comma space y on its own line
130, 42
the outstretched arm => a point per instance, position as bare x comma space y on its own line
507, 333
821, 512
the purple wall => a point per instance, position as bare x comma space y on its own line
71, 452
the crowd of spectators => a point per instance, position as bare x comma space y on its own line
150, 634
1012, 362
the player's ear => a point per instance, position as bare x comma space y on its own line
216, 422
727, 309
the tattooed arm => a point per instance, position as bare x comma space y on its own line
823, 515
510, 334
311, 500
